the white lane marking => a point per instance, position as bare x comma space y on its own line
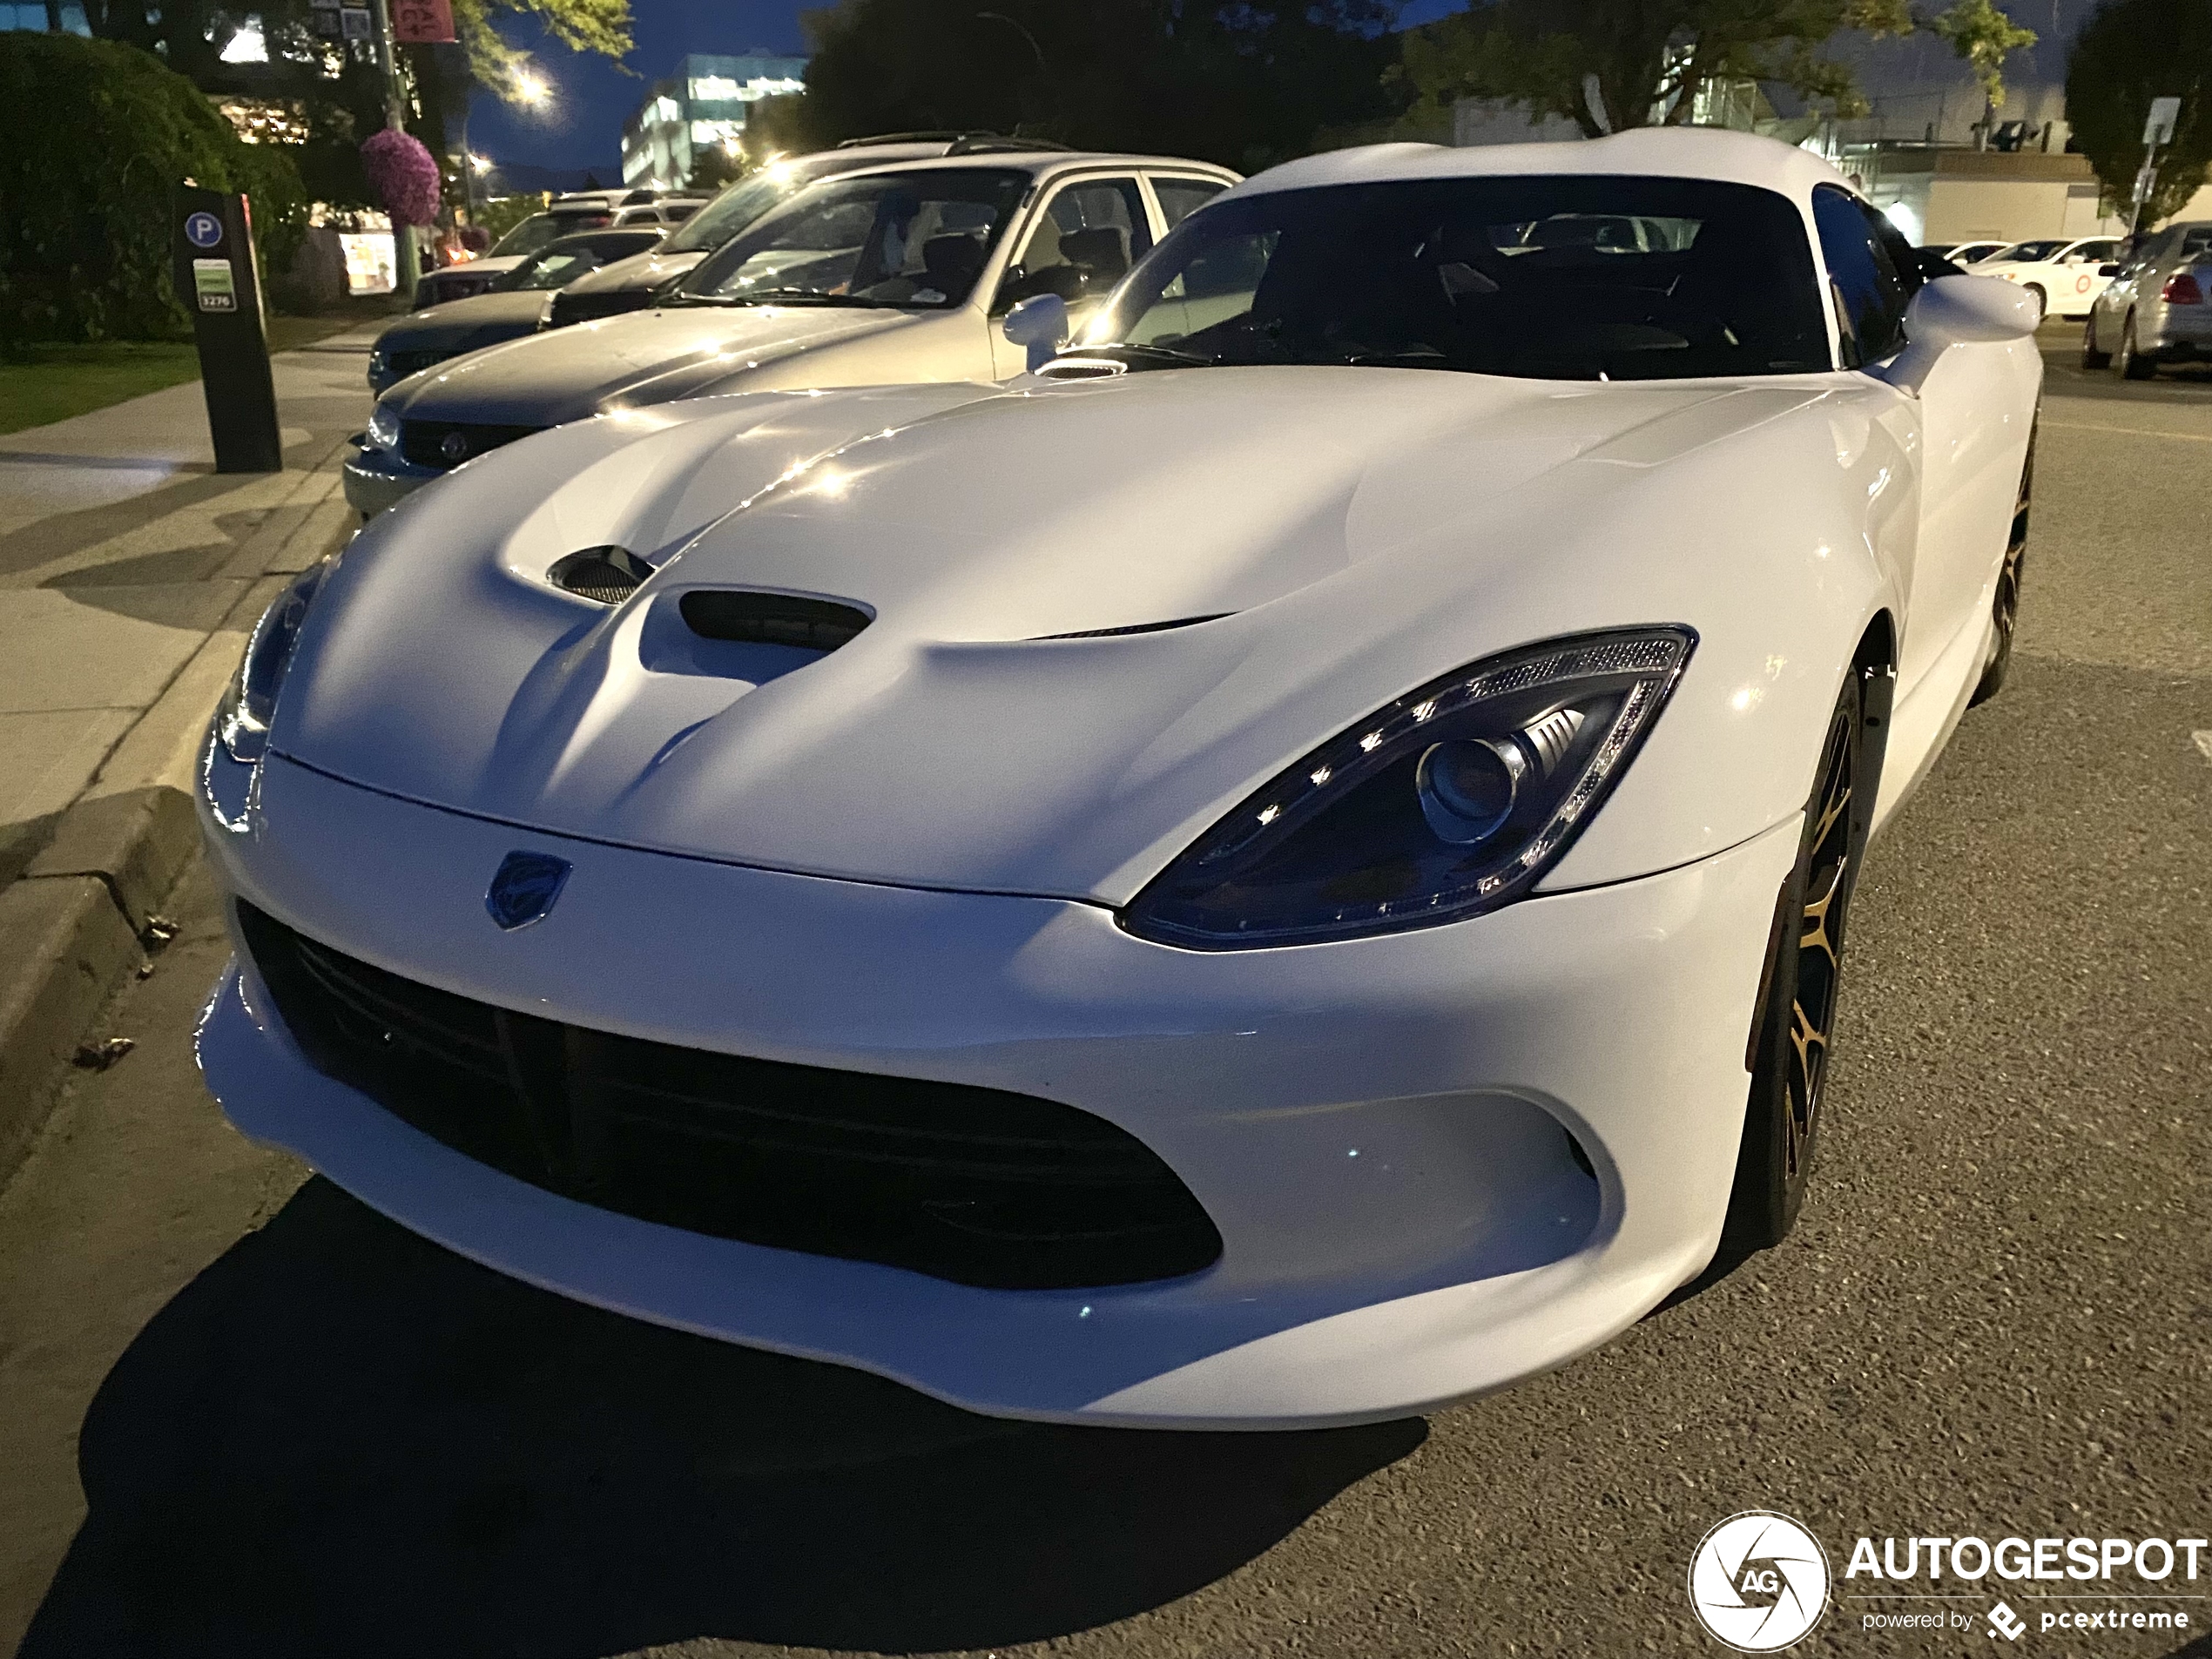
2203, 741
2131, 431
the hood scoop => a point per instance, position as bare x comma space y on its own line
606, 576
745, 617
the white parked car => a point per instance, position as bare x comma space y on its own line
2063, 277
889, 273
1289, 867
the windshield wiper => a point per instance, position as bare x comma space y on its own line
1144, 356
776, 297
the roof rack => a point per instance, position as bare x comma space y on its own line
959, 141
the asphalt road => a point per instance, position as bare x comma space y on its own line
300, 1431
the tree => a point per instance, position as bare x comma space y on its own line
713, 166
1243, 84
1985, 38
94, 138
2129, 52
1644, 60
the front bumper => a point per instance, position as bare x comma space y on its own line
376, 479
1372, 1125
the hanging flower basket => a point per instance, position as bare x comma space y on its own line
404, 175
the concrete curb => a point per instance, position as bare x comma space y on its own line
71, 925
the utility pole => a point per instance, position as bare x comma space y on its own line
406, 266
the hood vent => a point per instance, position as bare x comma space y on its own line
772, 618
605, 575
1137, 628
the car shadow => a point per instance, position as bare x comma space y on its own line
342, 1439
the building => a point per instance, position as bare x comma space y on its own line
703, 103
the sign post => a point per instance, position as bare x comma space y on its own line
220, 284
2158, 128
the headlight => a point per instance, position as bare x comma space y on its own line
1452, 800
384, 428
242, 722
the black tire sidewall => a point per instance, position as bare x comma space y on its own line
1766, 1202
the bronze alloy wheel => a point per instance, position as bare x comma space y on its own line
2006, 606
1795, 1025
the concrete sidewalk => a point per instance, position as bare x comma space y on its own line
130, 573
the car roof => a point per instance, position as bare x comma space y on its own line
1673, 152
1045, 164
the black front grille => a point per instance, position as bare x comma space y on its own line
447, 443
981, 1186
569, 307
413, 362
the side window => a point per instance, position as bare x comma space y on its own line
1084, 241
1180, 198
1863, 277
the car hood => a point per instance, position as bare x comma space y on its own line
647, 356
455, 325
638, 271
982, 733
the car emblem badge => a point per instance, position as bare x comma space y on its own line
453, 447
524, 887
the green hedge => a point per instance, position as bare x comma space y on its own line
94, 138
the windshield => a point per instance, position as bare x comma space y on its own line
1550, 278
2029, 252
733, 210
909, 238
559, 266
534, 233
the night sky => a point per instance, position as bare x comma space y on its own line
582, 127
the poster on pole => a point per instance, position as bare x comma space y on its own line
422, 23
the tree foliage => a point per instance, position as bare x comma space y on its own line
601, 26
2129, 52
1984, 36
1245, 84
1646, 60
94, 138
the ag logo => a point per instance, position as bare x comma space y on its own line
454, 446
1759, 1581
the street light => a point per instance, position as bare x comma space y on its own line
531, 88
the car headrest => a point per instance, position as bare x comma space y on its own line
1104, 253
952, 262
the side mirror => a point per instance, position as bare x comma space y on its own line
1041, 324
2107, 270
1958, 311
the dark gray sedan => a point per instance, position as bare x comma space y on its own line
2158, 306
514, 306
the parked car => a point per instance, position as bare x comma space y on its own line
2158, 306
1290, 867
513, 306
2064, 276
567, 216
894, 273
1963, 253
631, 286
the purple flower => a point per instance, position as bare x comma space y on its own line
404, 175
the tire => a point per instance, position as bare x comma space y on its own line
2006, 604
2092, 359
2131, 363
2042, 302
1796, 1018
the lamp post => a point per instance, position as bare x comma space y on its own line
406, 264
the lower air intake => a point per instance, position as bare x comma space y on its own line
979, 1186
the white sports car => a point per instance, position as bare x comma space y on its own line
1287, 868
